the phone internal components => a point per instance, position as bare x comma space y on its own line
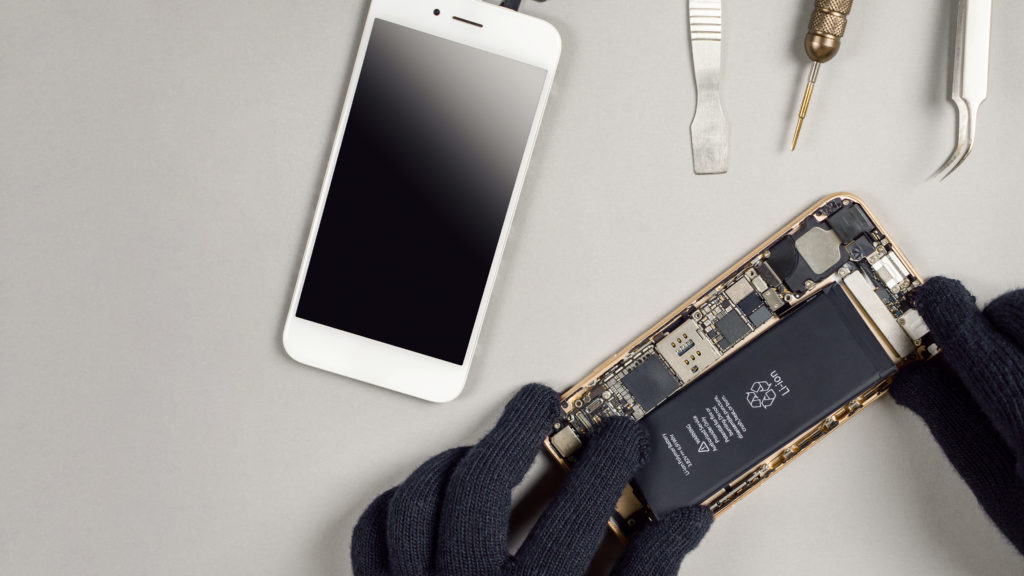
739, 290
864, 292
820, 248
913, 324
651, 382
733, 328
860, 248
765, 271
566, 441
756, 402
813, 256
760, 316
759, 284
850, 222
681, 368
688, 351
772, 299
749, 304
889, 269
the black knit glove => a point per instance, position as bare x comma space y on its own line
972, 396
451, 516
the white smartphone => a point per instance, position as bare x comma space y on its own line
436, 132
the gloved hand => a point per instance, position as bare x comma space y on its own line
451, 516
972, 396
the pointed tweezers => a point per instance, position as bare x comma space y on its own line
970, 75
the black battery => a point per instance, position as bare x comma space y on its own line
810, 364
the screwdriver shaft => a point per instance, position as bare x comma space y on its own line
806, 102
824, 33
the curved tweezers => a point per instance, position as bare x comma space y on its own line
970, 76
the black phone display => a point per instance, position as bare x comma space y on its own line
428, 163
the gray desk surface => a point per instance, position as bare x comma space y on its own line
159, 163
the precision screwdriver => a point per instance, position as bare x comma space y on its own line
826, 28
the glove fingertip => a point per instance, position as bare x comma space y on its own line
659, 548
1006, 313
945, 304
692, 522
369, 552
628, 437
913, 379
538, 400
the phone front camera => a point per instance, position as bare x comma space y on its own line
437, 12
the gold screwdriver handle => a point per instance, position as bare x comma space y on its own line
829, 17
827, 26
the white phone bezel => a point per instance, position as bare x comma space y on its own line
503, 32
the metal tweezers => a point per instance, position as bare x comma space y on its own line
970, 75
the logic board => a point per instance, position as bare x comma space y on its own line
836, 242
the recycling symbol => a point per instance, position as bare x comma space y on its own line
761, 395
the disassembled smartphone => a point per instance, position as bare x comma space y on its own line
762, 363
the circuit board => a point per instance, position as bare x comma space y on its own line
834, 243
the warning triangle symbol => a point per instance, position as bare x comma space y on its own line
703, 447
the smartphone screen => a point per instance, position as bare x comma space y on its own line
428, 162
